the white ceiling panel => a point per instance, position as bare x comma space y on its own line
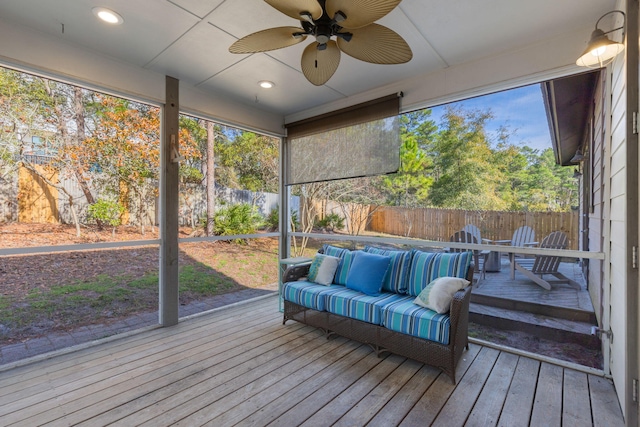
291, 93
200, 8
149, 25
198, 55
466, 30
243, 17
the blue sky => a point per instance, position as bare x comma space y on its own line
521, 110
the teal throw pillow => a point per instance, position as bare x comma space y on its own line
345, 256
322, 269
367, 272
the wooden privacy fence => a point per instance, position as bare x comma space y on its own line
440, 224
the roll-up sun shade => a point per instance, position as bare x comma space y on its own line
362, 140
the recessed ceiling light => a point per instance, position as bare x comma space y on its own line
108, 16
265, 84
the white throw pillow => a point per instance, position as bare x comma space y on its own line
438, 294
323, 268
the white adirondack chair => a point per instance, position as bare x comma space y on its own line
542, 265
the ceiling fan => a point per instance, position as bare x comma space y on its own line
338, 26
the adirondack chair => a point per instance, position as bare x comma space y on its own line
474, 230
479, 257
536, 268
523, 237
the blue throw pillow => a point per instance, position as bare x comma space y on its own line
398, 275
367, 272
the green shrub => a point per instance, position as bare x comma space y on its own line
295, 221
272, 220
237, 219
190, 175
331, 222
106, 211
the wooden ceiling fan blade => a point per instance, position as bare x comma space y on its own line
265, 40
319, 65
360, 13
293, 8
376, 44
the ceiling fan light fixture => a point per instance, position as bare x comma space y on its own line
345, 36
108, 15
306, 16
339, 17
266, 84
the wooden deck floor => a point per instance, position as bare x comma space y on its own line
241, 366
499, 284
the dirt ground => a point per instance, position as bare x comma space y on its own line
21, 274
31, 279
569, 352
251, 265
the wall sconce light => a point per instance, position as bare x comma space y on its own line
601, 49
578, 157
577, 173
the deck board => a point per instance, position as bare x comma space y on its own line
241, 366
576, 410
486, 411
436, 396
369, 406
459, 405
399, 406
499, 284
517, 407
547, 406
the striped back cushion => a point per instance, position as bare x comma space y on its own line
397, 277
346, 256
427, 266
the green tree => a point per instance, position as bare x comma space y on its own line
550, 187
410, 186
248, 161
512, 161
464, 175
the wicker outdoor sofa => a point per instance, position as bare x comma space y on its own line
390, 321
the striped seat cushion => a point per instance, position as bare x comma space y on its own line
397, 277
308, 294
356, 305
346, 256
406, 317
428, 266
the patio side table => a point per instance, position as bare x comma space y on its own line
284, 264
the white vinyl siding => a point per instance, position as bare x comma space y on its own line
596, 203
617, 224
